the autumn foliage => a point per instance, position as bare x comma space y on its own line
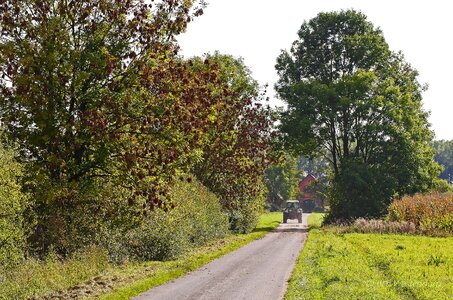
107, 115
428, 212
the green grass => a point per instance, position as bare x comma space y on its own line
156, 273
35, 278
315, 220
373, 266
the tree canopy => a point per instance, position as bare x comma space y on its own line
282, 183
239, 147
107, 115
354, 102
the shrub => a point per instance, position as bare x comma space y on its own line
12, 204
70, 217
196, 218
428, 212
244, 218
441, 186
358, 191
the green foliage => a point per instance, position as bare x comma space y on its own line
359, 190
315, 220
372, 266
429, 212
88, 273
107, 116
196, 219
441, 186
70, 218
316, 166
357, 104
95, 90
282, 183
245, 215
444, 156
13, 202
238, 150
96, 97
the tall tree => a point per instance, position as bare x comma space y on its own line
282, 183
240, 144
92, 89
94, 93
317, 166
359, 105
444, 156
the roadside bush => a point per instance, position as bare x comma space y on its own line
12, 204
359, 191
244, 218
195, 219
441, 186
428, 212
67, 218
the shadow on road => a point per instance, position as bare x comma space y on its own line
291, 228
263, 229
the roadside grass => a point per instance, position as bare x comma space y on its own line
33, 278
315, 220
372, 266
151, 274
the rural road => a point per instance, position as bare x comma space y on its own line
259, 270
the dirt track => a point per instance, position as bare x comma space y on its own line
258, 270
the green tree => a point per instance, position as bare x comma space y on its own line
317, 166
13, 202
239, 147
96, 97
282, 183
359, 105
92, 87
444, 156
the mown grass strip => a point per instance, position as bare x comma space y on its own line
372, 266
163, 272
418, 267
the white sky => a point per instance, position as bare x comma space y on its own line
257, 30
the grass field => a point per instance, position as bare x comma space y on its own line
372, 266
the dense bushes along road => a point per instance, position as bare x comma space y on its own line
90, 274
105, 121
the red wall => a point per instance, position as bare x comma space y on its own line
303, 185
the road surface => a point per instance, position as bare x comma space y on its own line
259, 270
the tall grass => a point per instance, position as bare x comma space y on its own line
34, 278
429, 212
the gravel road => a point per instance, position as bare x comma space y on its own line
259, 270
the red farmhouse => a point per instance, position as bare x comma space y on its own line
307, 200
